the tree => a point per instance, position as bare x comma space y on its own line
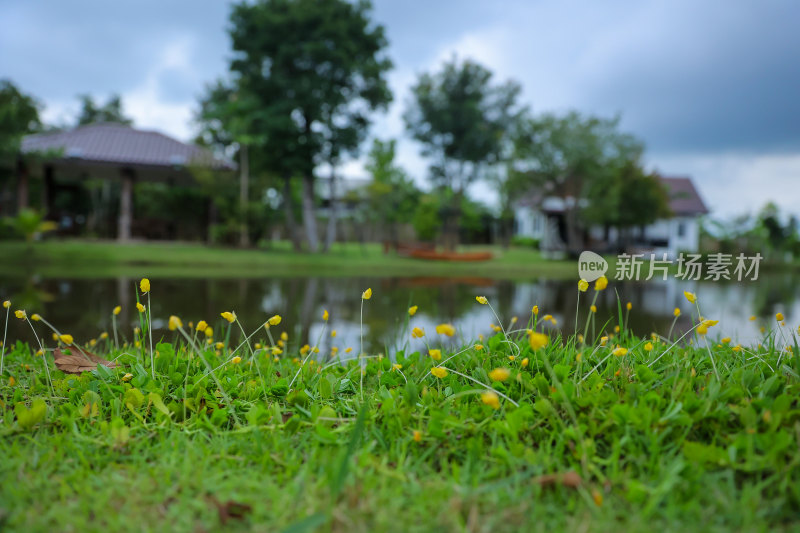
461, 119
567, 156
91, 112
625, 197
392, 195
316, 70
19, 115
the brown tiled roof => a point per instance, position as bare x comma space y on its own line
683, 197
123, 145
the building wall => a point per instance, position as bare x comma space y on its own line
529, 222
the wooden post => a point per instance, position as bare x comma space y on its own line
244, 184
23, 186
125, 205
48, 189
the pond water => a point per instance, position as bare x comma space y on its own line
82, 307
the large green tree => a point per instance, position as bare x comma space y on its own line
19, 115
461, 118
315, 70
566, 156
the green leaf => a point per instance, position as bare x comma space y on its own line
27, 418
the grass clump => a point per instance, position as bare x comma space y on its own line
516, 431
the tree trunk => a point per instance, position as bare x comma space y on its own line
309, 216
244, 184
23, 186
333, 213
288, 210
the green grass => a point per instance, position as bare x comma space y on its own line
678, 437
80, 258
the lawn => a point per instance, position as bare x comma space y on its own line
83, 258
514, 432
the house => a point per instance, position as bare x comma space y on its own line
542, 218
61, 165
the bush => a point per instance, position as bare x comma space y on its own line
525, 242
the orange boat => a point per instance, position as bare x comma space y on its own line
433, 255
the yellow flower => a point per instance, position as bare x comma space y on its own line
276, 350
325, 315
209, 332
436, 355
677, 312
601, 283
174, 323
417, 435
535, 310
512, 357
127, 377
202, 325
439, 372
413, 310
140, 307
525, 362
285, 336
21, 314
778, 317
709, 323
583, 285
702, 329
367, 294
348, 350
616, 329
579, 357
603, 340
482, 300
593, 309
537, 340
36, 317
752, 318
491, 399
7, 304
547, 317
236, 360
117, 310
144, 285
648, 347
478, 347
628, 306
619, 351
103, 335
737, 348
274, 320
726, 340
305, 349
230, 316
219, 346
692, 297
333, 333
66, 339
499, 374
446, 329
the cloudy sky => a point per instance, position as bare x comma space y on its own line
710, 86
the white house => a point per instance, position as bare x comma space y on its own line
543, 219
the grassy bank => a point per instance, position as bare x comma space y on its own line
89, 258
517, 432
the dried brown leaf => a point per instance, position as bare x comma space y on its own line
78, 363
230, 510
568, 479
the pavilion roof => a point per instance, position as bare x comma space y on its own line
122, 145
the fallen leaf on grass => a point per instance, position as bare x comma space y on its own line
230, 510
79, 363
569, 479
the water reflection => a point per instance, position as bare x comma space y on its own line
83, 307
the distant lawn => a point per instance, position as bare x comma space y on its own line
84, 258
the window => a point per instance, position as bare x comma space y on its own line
681, 229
